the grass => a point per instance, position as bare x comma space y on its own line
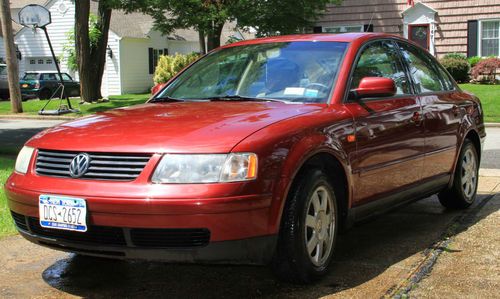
490, 98
31, 107
6, 224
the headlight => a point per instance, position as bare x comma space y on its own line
205, 168
23, 159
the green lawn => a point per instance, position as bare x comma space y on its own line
490, 98
32, 107
6, 224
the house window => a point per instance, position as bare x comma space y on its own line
32, 61
489, 39
40, 61
48, 61
343, 29
154, 56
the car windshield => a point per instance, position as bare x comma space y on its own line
288, 71
30, 76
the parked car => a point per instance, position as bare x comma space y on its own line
42, 85
4, 83
257, 153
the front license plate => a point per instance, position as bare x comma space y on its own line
61, 212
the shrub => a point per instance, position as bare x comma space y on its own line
455, 56
486, 69
168, 66
474, 60
457, 67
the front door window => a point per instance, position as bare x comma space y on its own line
419, 34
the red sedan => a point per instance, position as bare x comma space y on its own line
257, 153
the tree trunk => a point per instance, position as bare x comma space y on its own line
82, 47
98, 54
11, 58
214, 34
91, 60
201, 38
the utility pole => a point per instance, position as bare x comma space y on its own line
10, 57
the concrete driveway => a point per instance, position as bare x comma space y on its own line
15, 132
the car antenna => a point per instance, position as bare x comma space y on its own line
370, 23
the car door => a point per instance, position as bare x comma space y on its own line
442, 110
72, 87
389, 133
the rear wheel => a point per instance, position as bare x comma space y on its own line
463, 192
308, 230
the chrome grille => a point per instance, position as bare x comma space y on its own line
103, 166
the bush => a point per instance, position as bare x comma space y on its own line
457, 67
455, 56
486, 69
474, 60
168, 66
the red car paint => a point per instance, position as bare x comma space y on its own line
414, 139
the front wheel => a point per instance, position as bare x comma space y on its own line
308, 229
463, 191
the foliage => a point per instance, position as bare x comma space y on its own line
474, 60
209, 16
455, 56
69, 53
169, 65
457, 67
485, 69
6, 224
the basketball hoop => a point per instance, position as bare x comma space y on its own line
34, 16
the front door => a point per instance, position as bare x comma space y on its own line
389, 135
419, 34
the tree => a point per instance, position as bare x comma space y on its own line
10, 55
91, 52
208, 17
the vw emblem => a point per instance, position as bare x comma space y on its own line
79, 165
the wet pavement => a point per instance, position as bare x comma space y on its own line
373, 259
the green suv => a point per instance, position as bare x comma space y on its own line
43, 85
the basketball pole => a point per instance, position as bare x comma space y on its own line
61, 80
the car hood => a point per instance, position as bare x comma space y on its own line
187, 127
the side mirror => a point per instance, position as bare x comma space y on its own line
373, 87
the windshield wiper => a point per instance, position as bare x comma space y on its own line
166, 99
238, 98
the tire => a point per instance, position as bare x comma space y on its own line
44, 94
293, 262
462, 194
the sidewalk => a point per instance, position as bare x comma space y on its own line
469, 267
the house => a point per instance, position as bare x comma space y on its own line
133, 45
441, 26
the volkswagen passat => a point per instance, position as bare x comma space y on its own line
257, 153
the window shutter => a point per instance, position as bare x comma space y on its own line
317, 29
151, 61
368, 28
165, 51
472, 40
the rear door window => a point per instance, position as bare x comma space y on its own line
423, 70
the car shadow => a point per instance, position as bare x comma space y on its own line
363, 253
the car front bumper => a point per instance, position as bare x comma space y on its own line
239, 227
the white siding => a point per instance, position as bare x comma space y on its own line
135, 59
111, 83
2, 49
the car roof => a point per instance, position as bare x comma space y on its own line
322, 37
